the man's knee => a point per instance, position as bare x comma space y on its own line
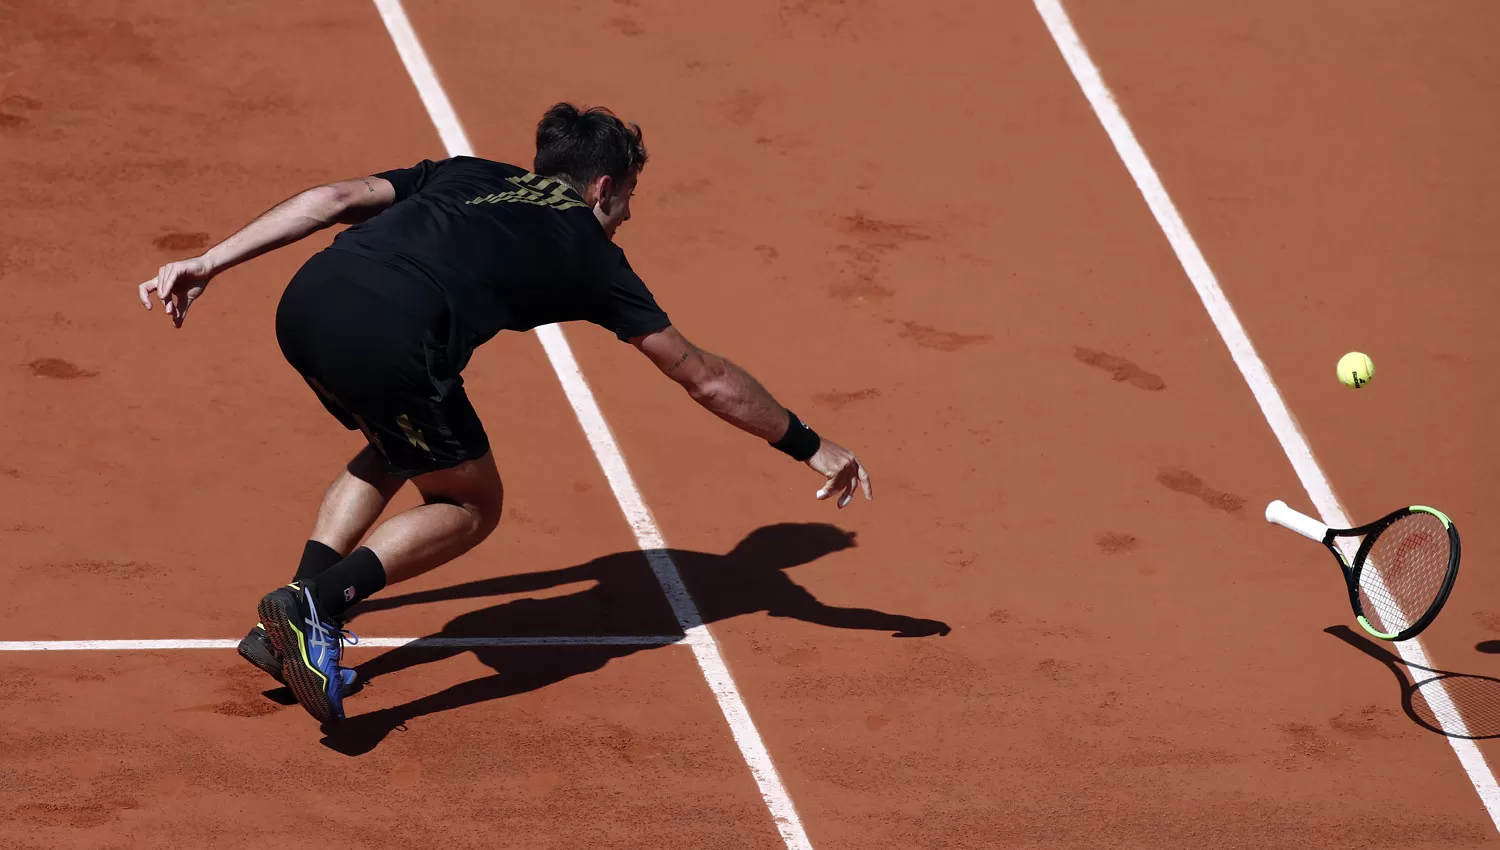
473, 486
487, 517
483, 512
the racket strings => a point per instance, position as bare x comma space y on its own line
1404, 572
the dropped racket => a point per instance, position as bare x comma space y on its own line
1403, 566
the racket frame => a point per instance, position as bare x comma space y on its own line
1279, 513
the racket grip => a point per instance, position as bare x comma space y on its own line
1279, 513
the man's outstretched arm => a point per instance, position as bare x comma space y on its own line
177, 285
735, 396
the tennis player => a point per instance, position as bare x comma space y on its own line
440, 258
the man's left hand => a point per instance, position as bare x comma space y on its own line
177, 285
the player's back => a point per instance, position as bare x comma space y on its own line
508, 249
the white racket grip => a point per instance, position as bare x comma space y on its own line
1279, 513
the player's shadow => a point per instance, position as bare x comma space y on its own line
1456, 705
609, 596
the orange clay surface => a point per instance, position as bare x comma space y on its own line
905, 220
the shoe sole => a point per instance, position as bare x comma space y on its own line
305, 683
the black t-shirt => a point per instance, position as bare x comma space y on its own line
508, 250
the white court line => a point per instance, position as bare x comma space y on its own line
378, 643
648, 536
1272, 406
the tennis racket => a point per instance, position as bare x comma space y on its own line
1399, 568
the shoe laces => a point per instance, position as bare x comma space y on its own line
344, 634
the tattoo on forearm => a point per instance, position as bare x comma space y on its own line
681, 360
370, 187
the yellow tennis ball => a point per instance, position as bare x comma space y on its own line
1355, 370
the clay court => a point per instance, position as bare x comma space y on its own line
1062, 622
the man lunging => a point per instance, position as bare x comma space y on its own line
440, 257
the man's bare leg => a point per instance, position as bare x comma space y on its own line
461, 507
350, 506
354, 501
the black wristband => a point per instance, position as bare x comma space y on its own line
801, 442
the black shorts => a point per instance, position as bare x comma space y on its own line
371, 342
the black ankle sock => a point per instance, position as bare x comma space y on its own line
347, 582
316, 557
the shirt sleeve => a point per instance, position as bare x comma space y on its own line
409, 181
629, 309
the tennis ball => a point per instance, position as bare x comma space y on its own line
1355, 370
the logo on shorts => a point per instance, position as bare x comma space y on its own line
348, 594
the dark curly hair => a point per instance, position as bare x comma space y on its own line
579, 146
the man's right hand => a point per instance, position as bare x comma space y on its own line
734, 396
843, 471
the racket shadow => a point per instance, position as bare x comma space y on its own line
1471, 709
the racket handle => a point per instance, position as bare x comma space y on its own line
1279, 513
